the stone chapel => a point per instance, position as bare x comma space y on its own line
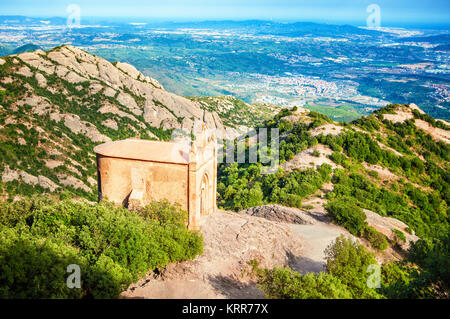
135, 172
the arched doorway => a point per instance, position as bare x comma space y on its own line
204, 198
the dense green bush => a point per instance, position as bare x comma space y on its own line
112, 245
376, 239
31, 156
433, 258
349, 261
397, 278
346, 276
283, 283
425, 273
346, 213
245, 186
35, 267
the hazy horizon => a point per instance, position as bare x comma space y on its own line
402, 13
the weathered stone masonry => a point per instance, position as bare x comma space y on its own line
136, 172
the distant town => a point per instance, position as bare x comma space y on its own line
308, 65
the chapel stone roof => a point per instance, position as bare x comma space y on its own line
146, 150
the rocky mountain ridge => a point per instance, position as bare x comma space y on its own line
141, 95
55, 106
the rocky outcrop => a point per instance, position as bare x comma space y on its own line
278, 213
10, 175
70, 100
25, 71
386, 225
119, 81
111, 124
78, 126
42, 81
68, 180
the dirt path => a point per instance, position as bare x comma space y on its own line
315, 238
231, 240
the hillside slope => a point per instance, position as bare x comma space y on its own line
391, 164
56, 106
386, 183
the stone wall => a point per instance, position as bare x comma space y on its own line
158, 181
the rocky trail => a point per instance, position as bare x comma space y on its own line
273, 235
232, 240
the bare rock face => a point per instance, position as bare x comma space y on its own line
128, 101
128, 69
37, 60
385, 225
73, 77
40, 105
77, 126
111, 124
113, 109
21, 141
28, 178
25, 71
76, 66
42, 81
415, 107
10, 175
156, 115
187, 124
67, 180
278, 213
403, 113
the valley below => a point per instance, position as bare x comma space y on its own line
344, 72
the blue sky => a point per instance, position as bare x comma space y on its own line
393, 12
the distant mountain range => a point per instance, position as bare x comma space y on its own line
252, 26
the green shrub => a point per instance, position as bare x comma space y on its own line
346, 277
243, 187
35, 267
164, 212
400, 236
113, 245
376, 239
349, 261
347, 214
106, 278
284, 283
